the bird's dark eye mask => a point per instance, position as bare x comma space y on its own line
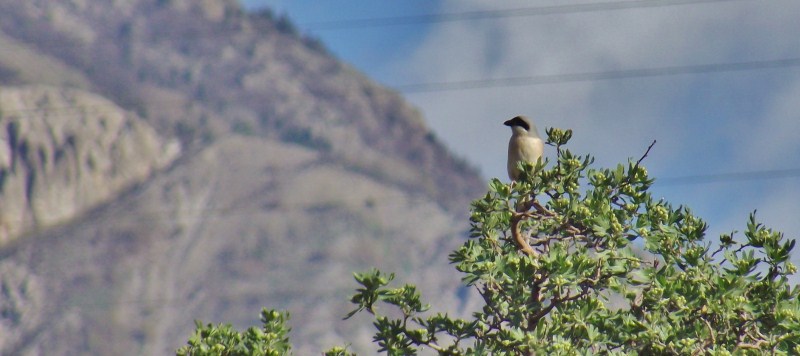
517, 121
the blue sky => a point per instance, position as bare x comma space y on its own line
705, 123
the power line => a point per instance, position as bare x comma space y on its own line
597, 76
493, 14
730, 177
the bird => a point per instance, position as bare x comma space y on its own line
524, 145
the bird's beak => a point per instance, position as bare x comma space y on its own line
508, 122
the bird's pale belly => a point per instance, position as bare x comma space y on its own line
527, 149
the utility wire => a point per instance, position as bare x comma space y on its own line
493, 14
529, 81
549, 79
730, 177
596, 76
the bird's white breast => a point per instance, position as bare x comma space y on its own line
522, 148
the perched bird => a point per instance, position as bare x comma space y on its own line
524, 145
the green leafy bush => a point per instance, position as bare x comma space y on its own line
572, 260
269, 340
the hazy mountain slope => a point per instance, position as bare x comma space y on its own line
181, 247
294, 171
21, 63
198, 69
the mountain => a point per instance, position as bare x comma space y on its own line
66, 151
162, 161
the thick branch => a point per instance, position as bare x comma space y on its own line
522, 242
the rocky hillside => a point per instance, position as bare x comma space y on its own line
162, 161
64, 151
201, 69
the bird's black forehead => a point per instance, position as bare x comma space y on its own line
518, 121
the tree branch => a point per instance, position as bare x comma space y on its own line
645, 154
707, 343
522, 242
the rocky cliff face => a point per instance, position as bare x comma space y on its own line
223, 164
63, 152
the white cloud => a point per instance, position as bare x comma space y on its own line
589, 42
704, 123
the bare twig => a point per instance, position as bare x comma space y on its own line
434, 346
645, 154
708, 343
752, 346
541, 210
557, 300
